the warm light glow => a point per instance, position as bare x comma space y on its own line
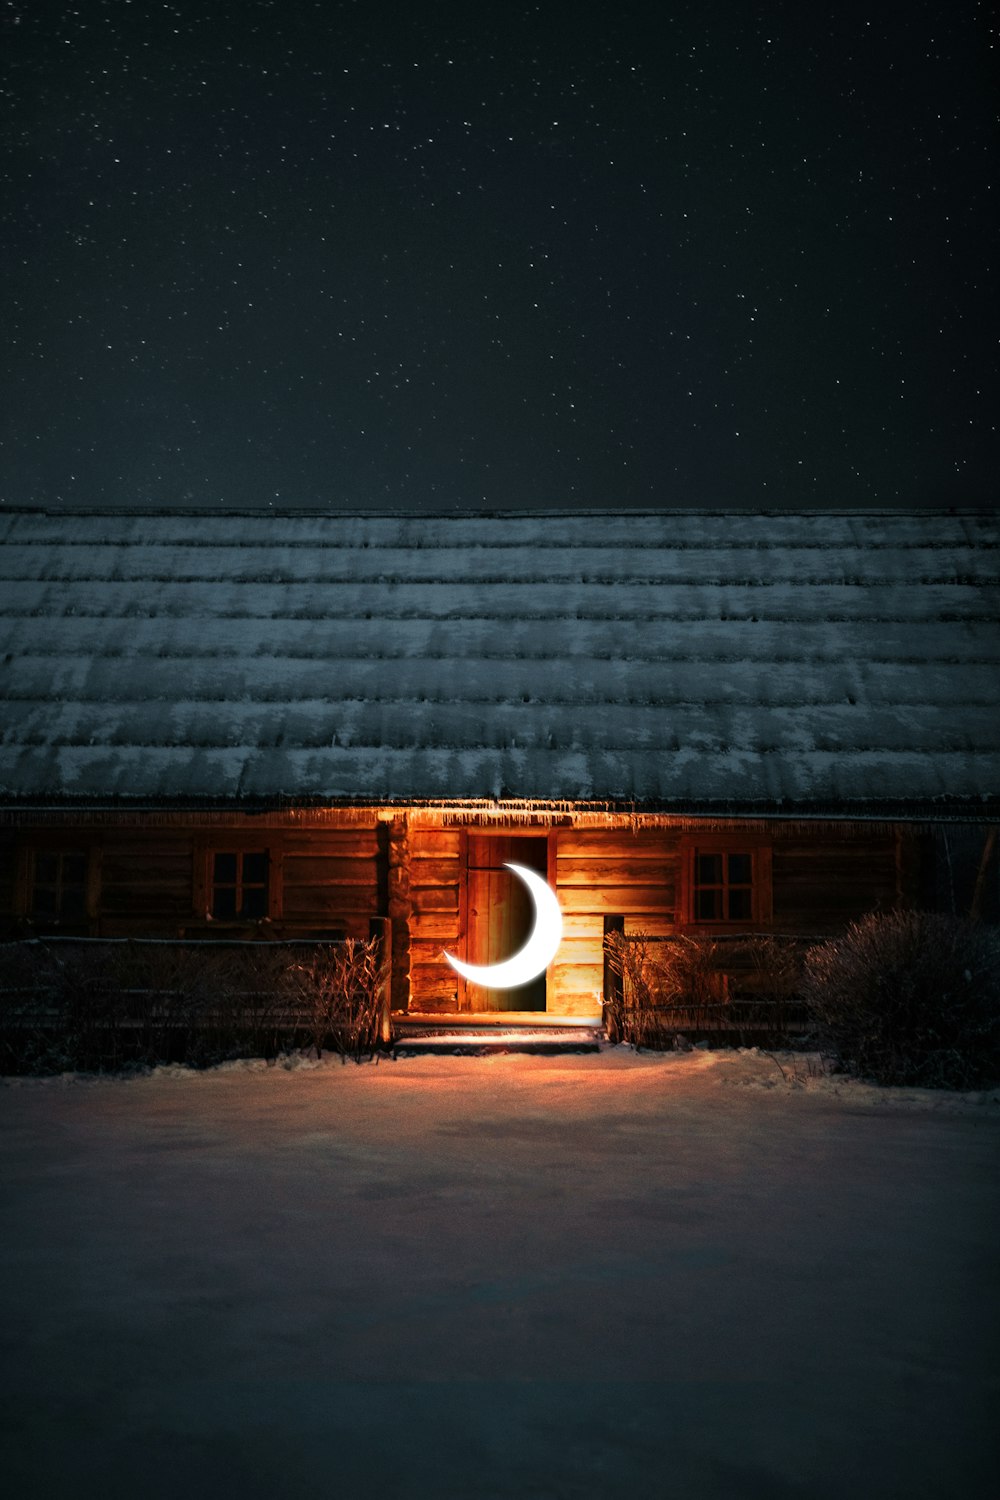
537, 953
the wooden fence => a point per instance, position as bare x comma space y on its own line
107, 1002
740, 985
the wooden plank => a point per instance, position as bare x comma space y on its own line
617, 899
170, 903
140, 848
651, 925
580, 976
617, 843
429, 951
435, 898
439, 927
832, 856
865, 865
130, 925
583, 924
163, 869
433, 987
343, 843
568, 1003
327, 870
307, 903
580, 950
615, 872
434, 872
435, 843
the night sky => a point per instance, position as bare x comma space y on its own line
433, 255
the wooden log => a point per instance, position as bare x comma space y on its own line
330, 870
435, 872
433, 987
347, 843
311, 902
435, 843
441, 926
442, 898
617, 872
617, 899
617, 843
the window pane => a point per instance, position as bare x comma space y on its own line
708, 869
254, 902
225, 869
46, 868
224, 903
739, 906
74, 905
255, 868
43, 902
74, 869
708, 906
740, 869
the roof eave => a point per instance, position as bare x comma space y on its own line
983, 809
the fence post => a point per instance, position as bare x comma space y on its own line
612, 982
381, 927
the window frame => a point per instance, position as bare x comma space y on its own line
59, 845
241, 844
758, 846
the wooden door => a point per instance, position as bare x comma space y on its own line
502, 914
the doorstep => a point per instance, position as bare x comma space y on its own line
479, 1035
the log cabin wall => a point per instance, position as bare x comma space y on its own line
437, 920
148, 877
600, 873
153, 879
821, 878
824, 880
333, 879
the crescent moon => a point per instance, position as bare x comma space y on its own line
537, 953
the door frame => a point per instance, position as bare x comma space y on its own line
492, 831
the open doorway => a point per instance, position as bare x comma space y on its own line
501, 914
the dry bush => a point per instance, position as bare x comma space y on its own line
775, 966
341, 989
663, 987
910, 997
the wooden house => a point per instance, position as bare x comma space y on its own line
271, 725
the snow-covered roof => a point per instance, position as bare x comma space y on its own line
821, 662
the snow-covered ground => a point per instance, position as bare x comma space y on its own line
705, 1275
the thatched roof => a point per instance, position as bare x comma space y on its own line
818, 663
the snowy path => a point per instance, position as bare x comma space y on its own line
510, 1276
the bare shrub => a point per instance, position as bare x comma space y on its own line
631, 1012
910, 997
662, 988
776, 966
768, 984
340, 989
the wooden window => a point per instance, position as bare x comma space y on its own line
723, 886
59, 887
727, 882
240, 884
